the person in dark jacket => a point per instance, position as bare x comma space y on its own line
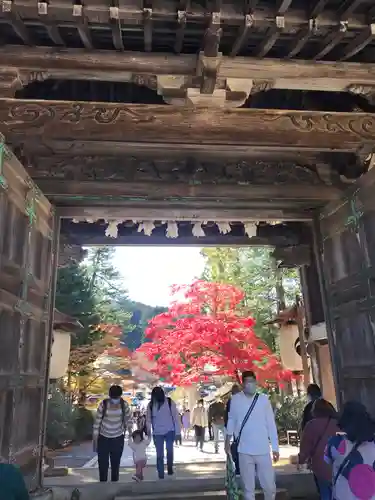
235, 390
313, 393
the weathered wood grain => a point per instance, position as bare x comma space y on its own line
106, 65
161, 190
283, 129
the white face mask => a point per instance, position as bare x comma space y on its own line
250, 388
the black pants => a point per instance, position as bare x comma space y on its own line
199, 435
178, 439
110, 449
210, 432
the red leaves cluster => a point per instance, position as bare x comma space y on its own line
204, 328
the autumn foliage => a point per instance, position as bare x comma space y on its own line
204, 328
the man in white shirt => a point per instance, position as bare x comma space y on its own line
258, 434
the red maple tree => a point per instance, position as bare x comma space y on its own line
204, 328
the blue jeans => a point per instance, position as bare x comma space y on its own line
159, 441
324, 488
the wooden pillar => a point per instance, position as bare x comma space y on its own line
52, 272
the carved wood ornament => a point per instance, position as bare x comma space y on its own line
166, 124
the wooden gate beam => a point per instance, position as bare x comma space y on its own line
271, 129
40, 63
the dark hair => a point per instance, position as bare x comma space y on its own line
200, 401
137, 433
356, 422
115, 392
313, 390
248, 374
236, 389
157, 397
323, 409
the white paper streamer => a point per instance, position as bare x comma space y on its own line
224, 227
250, 229
146, 227
197, 230
112, 229
172, 230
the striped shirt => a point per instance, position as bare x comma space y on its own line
113, 424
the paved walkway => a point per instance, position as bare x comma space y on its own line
188, 454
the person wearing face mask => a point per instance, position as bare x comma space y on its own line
109, 430
199, 421
251, 422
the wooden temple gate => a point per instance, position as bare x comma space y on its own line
197, 129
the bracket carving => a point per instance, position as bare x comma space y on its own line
12, 80
367, 91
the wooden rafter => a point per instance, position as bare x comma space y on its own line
358, 43
147, 25
243, 34
210, 51
317, 7
300, 40
332, 40
115, 20
271, 37
51, 27
281, 129
19, 27
82, 26
348, 7
180, 32
283, 6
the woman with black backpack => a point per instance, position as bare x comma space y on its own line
162, 417
109, 430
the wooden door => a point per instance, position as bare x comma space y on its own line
348, 252
26, 229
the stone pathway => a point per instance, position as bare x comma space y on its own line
187, 454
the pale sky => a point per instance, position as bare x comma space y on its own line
149, 272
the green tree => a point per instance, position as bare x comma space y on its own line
254, 271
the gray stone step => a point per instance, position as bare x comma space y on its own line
199, 495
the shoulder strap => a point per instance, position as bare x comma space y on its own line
247, 416
170, 403
345, 462
104, 412
122, 404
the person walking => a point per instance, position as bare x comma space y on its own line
314, 440
109, 433
138, 443
186, 424
234, 452
216, 416
252, 421
352, 455
313, 393
199, 421
162, 417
